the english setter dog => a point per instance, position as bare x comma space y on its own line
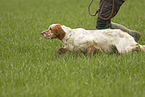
92, 41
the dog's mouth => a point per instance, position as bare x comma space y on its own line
45, 36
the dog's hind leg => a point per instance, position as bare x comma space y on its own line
136, 48
142, 47
129, 49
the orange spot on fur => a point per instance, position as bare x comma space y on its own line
58, 31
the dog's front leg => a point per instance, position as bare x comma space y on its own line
61, 51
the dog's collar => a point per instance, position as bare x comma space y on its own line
68, 37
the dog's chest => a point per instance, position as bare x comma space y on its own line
78, 39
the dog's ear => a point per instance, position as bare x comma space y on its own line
59, 31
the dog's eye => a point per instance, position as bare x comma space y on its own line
50, 28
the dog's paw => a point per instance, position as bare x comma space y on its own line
61, 51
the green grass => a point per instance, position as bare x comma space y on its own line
29, 67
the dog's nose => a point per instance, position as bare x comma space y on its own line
41, 33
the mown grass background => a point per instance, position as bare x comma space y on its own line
29, 67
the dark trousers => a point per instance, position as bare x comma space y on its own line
105, 12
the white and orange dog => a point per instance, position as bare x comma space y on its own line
92, 41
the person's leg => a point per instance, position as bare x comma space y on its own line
106, 12
136, 35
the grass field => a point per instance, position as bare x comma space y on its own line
29, 67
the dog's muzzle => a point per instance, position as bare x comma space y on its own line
43, 34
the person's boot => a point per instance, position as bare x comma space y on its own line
136, 35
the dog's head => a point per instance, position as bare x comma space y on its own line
54, 31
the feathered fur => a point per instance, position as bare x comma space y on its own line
91, 41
